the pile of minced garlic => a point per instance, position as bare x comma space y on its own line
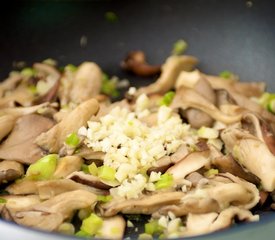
131, 147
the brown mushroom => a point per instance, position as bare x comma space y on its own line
10, 170
6, 125
136, 62
67, 165
142, 205
19, 145
53, 140
251, 153
169, 73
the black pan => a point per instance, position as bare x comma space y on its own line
235, 35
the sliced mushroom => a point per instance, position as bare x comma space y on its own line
54, 139
89, 154
23, 187
20, 203
169, 73
6, 125
228, 164
9, 84
87, 82
136, 63
191, 163
188, 98
50, 188
251, 153
211, 222
10, 170
67, 165
143, 205
112, 228
89, 180
19, 145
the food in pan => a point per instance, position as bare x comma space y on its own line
192, 152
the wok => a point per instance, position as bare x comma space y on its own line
225, 35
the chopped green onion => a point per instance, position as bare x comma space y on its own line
84, 213
93, 169
267, 100
106, 173
85, 168
50, 62
153, 228
91, 224
66, 228
109, 87
42, 169
166, 180
70, 67
145, 236
82, 234
28, 72
167, 98
32, 89
179, 47
111, 17
3, 200
211, 172
72, 140
102, 198
226, 74
208, 133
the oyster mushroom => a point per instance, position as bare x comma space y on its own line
22, 187
189, 98
6, 125
10, 170
87, 82
143, 205
251, 153
53, 140
89, 180
50, 188
191, 163
19, 145
211, 222
136, 63
67, 165
9, 84
169, 73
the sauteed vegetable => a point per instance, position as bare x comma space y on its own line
191, 151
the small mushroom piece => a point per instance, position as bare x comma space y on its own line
67, 165
112, 228
54, 139
7, 123
189, 98
169, 73
142, 205
136, 63
20, 203
22, 187
87, 82
50, 188
89, 180
228, 164
211, 222
9, 83
251, 153
89, 154
191, 163
10, 170
19, 145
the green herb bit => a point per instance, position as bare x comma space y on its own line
85, 168
111, 17
102, 198
167, 98
3, 200
32, 89
72, 140
93, 169
109, 87
91, 224
153, 228
28, 72
166, 180
267, 100
82, 234
226, 74
43, 169
106, 173
179, 47
211, 172
70, 67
